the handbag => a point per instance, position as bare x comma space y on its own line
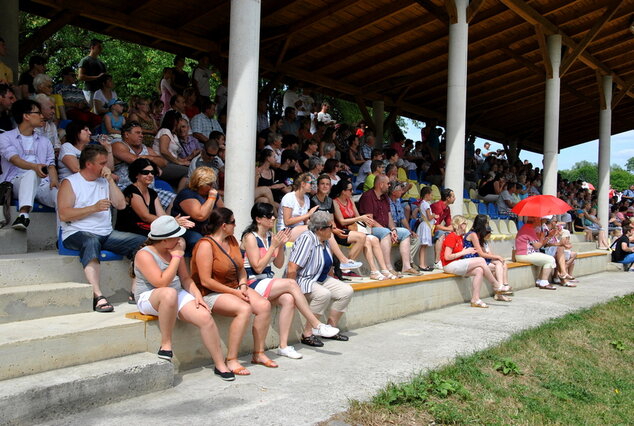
6, 195
359, 227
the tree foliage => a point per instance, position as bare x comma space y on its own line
586, 171
136, 69
629, 165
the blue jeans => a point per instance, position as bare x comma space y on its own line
627, 259
90, 245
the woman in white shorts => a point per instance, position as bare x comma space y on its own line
452, 257
261, 248
164, 288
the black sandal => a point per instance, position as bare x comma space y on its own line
131, 300
105, 307
337, 336
312, 340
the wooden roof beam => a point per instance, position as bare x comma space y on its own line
621, 94
270, 7
473, 8
371, 43
133, 23
590, 35
43, 33
198, 15
438, 12
363, 22
532, 16
134, 7
369, 121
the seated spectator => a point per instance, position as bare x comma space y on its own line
143, 116
83, 206
190, 145
527, 245
28, 161
77, 137
209, 157
128, 149
166, 143
310, 151
354, 158
7, 98
491, 187
377, 168
290, 124
266, 133
191, 102
287, 172
43, 85
309, 264
368, 147
443, 225
315, 168
478, 238
164, 288
205, 123
266, 187
104, 96
49, 129
262, 248
623, 250
113, 120
506, 201
304, 129
350, 222
556, 249
453, 260
331, 168
74, 100
197, 202
376, 202
142, 205
592, 227
366, 168
324, 116
275, 145
37, 65
218, 269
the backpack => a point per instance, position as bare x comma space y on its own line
6, 195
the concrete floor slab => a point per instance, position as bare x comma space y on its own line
312, 389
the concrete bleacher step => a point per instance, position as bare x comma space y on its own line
12, 241
27, 302
44, 344
37, 397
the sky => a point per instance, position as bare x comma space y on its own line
622, 150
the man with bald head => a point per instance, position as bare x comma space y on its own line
376, 202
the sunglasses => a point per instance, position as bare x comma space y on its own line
147, 172
268, 215
231, 222
326, 227
210, 154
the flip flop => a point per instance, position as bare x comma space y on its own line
546, 287
479, 304
240, 371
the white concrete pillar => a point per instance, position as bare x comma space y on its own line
551, 117
378, 114
605, 130
457, 104
10, 32
244, 45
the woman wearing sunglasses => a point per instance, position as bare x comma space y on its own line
262, 249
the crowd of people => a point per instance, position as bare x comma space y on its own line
320, 185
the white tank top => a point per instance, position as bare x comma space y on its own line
87, 193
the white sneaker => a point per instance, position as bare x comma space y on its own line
351, 264
325, 330
289, 352
438, 265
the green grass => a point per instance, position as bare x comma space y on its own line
577, 369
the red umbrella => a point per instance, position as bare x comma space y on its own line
540, 206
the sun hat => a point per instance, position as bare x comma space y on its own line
115, 101
165, 227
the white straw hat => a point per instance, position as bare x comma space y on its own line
165, 227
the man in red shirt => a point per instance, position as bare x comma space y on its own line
443, 223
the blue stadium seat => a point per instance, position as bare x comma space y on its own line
104, 256
37, 207
482, 209
161, 184
493, 210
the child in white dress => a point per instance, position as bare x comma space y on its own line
427, 220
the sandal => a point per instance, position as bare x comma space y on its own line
388, 274
269, 363
503, 289
568, 284
546, 287
131, 300
240, 371
377, 276
479, 304
104, 307
502, 298
427, 269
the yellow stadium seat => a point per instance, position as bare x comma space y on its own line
435, 193
495, 232
504, 230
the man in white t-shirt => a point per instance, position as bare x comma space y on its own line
506, 201
324, 116
28, 161
83, 206
201, 77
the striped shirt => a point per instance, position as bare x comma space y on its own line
308, 254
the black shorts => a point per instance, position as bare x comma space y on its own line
343, 241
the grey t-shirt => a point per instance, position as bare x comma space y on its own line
143, 285
92, 67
